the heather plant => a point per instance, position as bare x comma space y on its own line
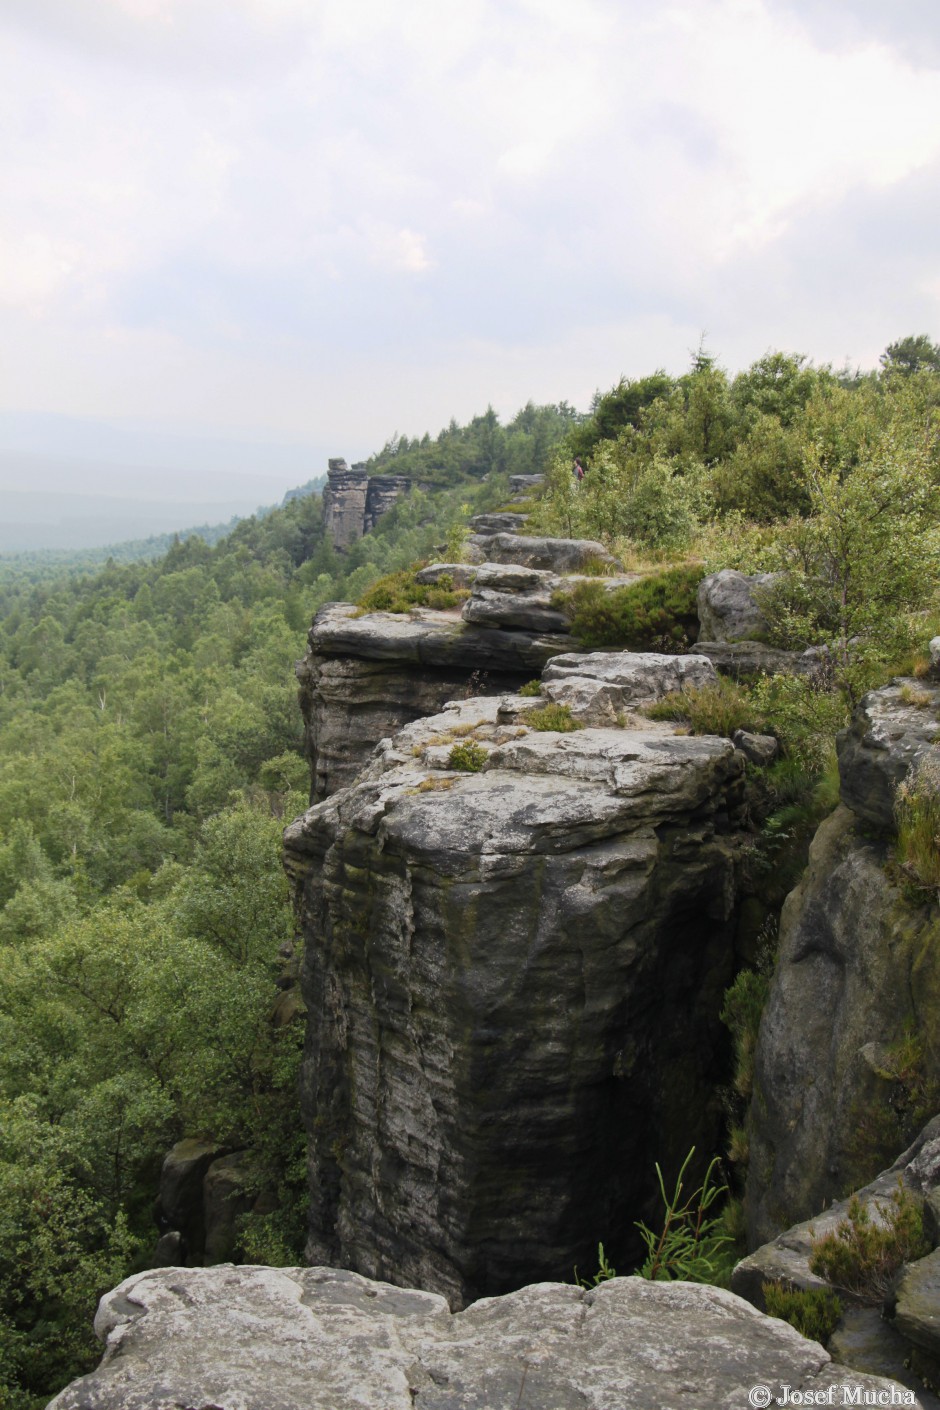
865, 1251
552, 718
468, 757
658, 613
814, 1312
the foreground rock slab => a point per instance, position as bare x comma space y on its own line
321, 1339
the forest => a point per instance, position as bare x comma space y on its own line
151, 753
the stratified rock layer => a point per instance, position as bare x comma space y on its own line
364, 676
320, 1339
514, 978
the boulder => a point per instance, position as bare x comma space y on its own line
488, 1070
728, 609
600, 685
507, 595
553, 555
524, 484
321, 1339
229, 1191
917, 1304
934, 651
760, 749
890, 731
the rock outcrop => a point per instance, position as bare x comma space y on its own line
513, 977
364, 676
599, 687
354, 501
846, 1055
322, 1339
551, 555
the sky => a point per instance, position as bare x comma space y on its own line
240, 236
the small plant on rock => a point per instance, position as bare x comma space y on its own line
917, 809
813, 1312
689, 1246
710, 709
863, 1253
556, 718
467, 758
530, 688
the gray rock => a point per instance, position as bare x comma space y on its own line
382, 494
508, 595
727, 606
364, 677
525, 484
505, 523
553, 555
488, 1069
600, 685
857, 966
752, 658
785, 1258
320, 1339
759, 749
229, 1190
866, 1342
180, 1198
917, 1303
934, 650
890, 731
344, 503
460, 574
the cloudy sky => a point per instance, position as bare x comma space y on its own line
237, 236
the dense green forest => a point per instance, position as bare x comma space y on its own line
150, 751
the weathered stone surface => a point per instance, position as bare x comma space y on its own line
508, 595
489, 960
759, 749
382, 494
321, 1339
228, 1192
917, 1303
553, 555
524, 484
752, 658
600, 685
890, 731
505, 523
934, 651
460, 574
866, 1342
344, 503
365, 676
786, 1257
180, 1200
727, 608
858, 966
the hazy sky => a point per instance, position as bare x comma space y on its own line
301, 225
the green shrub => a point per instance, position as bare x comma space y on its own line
656, 613
709, 709
604, 1271
399, 592
690, 1245
814, 1312
467, 757
741, 1015
530, 688
862, 1255
557, 718
917, 810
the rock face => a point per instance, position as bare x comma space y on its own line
507, 595
363, 677
321, 1339
354, 501
846, 1052
525, 484
513, 978
727, 608
752, 658
892, 728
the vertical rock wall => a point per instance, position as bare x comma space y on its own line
354, 501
